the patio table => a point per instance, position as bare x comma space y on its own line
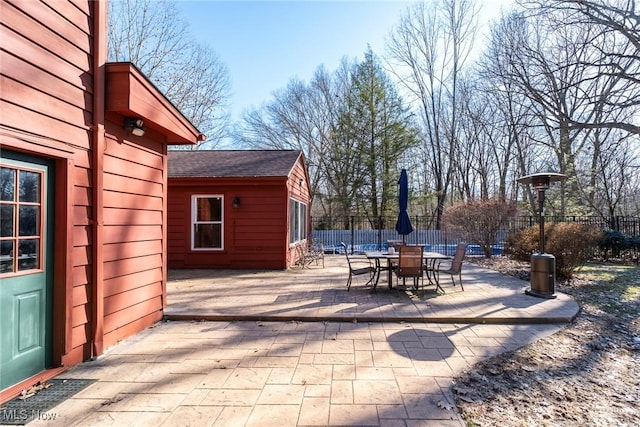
430, 259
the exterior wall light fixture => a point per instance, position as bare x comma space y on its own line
236, 202
134, 125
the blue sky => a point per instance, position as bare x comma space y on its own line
264, 44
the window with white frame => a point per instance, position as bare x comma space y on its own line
207, 222
297, 221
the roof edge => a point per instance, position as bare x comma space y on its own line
130, 93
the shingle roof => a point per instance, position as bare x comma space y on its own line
231, 163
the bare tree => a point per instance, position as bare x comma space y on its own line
517, 144
352, 127
152, 35
473, 164
428, 50
541, 67
571, 91
306, 117
614, 27
608, 177
300, 117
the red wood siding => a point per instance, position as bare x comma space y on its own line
111, 193
133, 233
298, 189
299, 183
38, 97
47, 96
255, 234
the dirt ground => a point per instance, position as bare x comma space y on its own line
586, 375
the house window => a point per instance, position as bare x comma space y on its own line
207, 222
297, 221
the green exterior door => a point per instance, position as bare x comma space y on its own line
25, 267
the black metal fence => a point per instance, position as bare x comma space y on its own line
360, 233
628, 225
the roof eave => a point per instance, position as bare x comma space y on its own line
131, 94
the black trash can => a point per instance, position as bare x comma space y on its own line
543, 276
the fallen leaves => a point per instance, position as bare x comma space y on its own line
34, 389
587, 374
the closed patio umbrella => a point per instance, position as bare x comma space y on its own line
403, 225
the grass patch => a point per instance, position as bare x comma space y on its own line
612, 288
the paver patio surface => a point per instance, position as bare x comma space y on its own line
262, 358
318, 294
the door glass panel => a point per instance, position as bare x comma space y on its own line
7, 184
6, 257
7, 220
29, 187
28, 254
29, 221
20, 219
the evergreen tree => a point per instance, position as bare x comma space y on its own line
382, 129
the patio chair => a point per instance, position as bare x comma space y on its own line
455, 268
307, 255
395, 244
392, 264
303, 258
357, 271
410, 264
317, 252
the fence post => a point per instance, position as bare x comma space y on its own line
379, 233
352, 220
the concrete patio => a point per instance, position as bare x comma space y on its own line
293, 348
319, 294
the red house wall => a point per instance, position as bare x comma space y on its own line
255, 234
298, 188
110, 192
133, 245
50, 113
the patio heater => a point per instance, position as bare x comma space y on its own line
543, 265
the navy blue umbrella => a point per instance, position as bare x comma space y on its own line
403, 225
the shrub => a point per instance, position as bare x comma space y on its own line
573, 245
570, 243
478, 221
614, 242
635, 247
521, 245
